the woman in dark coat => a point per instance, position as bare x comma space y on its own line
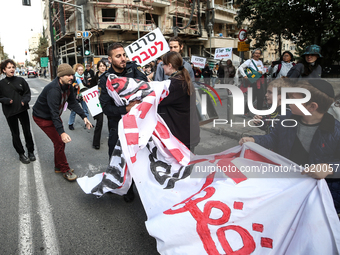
178, 109
15, 95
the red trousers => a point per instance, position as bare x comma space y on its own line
60, 160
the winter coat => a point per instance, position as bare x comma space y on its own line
324, 148
16, 89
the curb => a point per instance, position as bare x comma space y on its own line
232, 133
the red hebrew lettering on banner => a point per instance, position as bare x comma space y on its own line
203, 221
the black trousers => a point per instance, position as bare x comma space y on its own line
98, 129
113, 135
13, 123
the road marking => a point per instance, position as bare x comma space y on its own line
34, 90
25, 229
44, 210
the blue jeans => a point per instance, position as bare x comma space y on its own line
213, 81
73, 113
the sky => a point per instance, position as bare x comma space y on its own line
18, 24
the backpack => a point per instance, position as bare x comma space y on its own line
278, 70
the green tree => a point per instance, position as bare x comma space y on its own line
40, 51
304, 22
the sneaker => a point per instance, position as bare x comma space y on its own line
70, 127
70, 176
57, 170
31, 156
24, 159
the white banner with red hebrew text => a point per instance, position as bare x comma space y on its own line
213, 205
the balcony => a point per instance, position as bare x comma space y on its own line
156, 3
220, 42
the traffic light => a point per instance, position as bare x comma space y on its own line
87, 47
25, 52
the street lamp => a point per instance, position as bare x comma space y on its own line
137, 1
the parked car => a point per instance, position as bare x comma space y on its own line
32, 73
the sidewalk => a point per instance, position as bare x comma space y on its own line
239, 126
238, 129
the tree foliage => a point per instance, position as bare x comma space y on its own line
40, 51
304, 22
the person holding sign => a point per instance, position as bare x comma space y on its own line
175, 108
176, 45
46, 113
120, 67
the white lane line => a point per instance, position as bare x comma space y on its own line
44, 209
34, 90
25, 229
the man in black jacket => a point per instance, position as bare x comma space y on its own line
46, 113
120, 67
15, 95
88, 74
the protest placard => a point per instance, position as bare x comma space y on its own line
91, 97
223, 53
198, 61
148, 48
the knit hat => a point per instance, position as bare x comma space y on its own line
64, 69
323, 86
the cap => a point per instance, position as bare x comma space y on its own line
313, 50
323, 86
64, 69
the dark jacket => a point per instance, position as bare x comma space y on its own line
179, 112
110, 109
325, 146
88, 75
48, 103
16, 89
206, 72
298, 70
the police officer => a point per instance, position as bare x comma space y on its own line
120, 67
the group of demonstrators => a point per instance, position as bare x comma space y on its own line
308, 67
315, 140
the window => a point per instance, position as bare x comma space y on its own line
108, 15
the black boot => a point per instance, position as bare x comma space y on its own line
24, 159
31, 156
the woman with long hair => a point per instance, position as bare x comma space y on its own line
310, 65
178, 109
101, 67
79, 78
283, 66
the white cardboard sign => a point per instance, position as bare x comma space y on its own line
91, 97
198, 61
148, 48
223, 53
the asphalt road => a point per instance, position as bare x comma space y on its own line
42, 213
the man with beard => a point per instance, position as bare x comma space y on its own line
46, 113
175, 44
123, 68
